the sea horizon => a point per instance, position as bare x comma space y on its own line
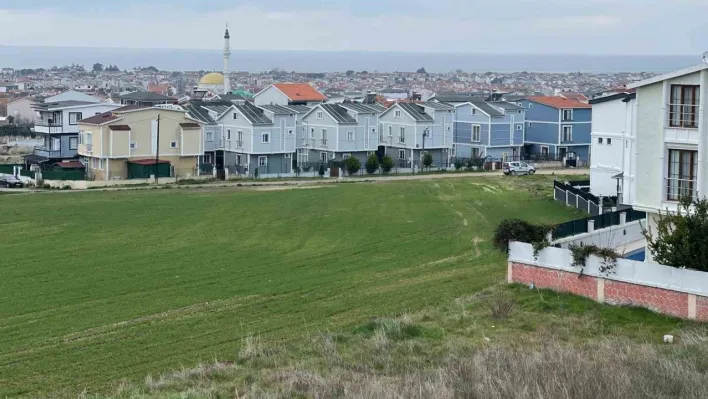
20, 57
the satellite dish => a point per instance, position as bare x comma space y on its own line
705, 57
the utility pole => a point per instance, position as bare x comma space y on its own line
157, 150
422, 154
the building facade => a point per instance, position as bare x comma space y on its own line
557, 127
488, 129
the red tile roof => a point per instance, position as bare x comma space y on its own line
558, 102
150, 161
300, 92
571, 95
71, 164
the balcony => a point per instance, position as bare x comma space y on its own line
678, 189
47, 127
323, 142
43, 152
239, 144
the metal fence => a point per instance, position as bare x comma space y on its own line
574, 194
601, 221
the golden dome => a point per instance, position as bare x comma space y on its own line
213, 78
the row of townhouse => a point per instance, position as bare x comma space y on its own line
650, 144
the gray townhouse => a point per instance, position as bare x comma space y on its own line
489, 129
407, 130
242, 139
339, 131
289, 119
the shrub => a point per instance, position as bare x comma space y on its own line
459, 164
581, 254
387, 164
372, 164
352, 165
520, 230
427, 160
499, 302
322, 170
67, 187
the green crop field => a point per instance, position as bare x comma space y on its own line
96, 287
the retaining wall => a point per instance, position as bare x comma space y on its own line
663, 289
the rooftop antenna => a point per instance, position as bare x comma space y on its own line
705, 57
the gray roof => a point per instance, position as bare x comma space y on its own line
456, 98
278, 109
254, 114
146, 96
218, 109
360, 108
486, 108
300, 109
339, 114
416, 111
199, 110
507, 105
439, 106
378, 107
59, 104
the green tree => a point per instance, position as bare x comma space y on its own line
350, 72
427, 160
98, 67
681, 239
386, 164
322, 170
353, 165
372, 164
459, 164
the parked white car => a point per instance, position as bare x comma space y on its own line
518, 168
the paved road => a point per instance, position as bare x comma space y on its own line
318, 182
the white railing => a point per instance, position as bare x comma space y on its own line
677, 189
683, 115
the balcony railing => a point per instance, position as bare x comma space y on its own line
47, 123
402, 140
239, 144
43, 152
678, 189
683, 115
323, 142
46, 127
89, 147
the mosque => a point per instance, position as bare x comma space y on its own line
216, 83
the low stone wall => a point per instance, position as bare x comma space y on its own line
663, 289
87, 184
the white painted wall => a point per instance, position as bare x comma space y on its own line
270, 95
87, 111
629, 271
609, 121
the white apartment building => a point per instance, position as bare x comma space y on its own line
671, 140
613, 146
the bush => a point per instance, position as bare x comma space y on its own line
499, 303
520, 230
67, 187
372, 164
322, 170
459, 164
427, 160
352, 165
386, 164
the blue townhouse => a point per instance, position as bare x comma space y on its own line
488, 129
557, 126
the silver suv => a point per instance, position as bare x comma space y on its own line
518, 168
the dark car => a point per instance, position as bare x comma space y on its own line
10, 181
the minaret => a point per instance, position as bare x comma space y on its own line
227, 55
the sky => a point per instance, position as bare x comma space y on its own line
651, 27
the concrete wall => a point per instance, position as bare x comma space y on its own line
663, 289
650, 152
541, 132
623, 238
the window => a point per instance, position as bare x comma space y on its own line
239, 138
401, 154
567, 133
235, 115
100, 163
544, 151
562, 152
323, 157
402, 137
209, 136
265, 139
683, 106
350, 136
262, 161
228, 134
74, 117
81, 137
346, 155
475, 153
474, 111
324, 137
390, 131
287, 155
682, 175
239, 159
133, 145
530, 124
567, 114
207, 158
397, 113
173, 144
73, 143
599, 140
519, 127
312, 133
320, 115
476, 132
609, 141
89, 141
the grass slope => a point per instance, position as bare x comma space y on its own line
100, 286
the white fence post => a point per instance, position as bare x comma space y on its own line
591, 226
623, 218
